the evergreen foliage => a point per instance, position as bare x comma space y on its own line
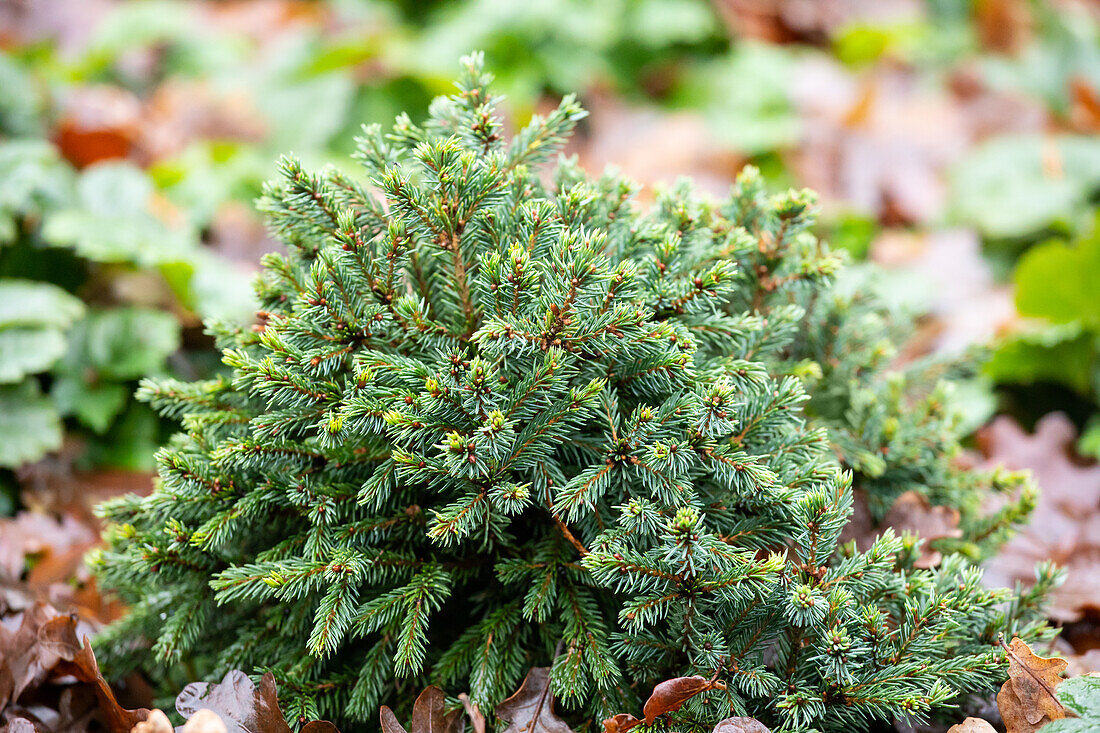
487, 413
893, 420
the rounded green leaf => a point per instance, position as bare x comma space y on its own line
1082, 696
1013, 186
1060, 281
30, 303
25, 351
29, 425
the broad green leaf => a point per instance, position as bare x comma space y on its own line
32, 177
30, 303
8, 229
1060, 281
21, 100
29, 425
25, 351
141, 25
1064, 354
131, 443
1014, 186
111, 221
95, 405
306, 114
112, 188
1072, 725
122, 344
573, 37
1089, 442
1082, 696
661, 23
221, 291
745, 97
209, 173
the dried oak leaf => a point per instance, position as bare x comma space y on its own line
910, 512
99, 122
1003, 26
477, 719
531, 709
29, 652
428, 716
966, 304
816, 21
43, 648
1065, 526
972, 725
881, 141
74, 710
18, 725
1027, 700
670, 695
82, 665
652, 147
41, 560
204, 721
157, 722
741, 725
30, 534
913, 512
620, 723
242, 706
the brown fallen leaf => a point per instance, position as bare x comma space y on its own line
28, 653
180, 112
31, 534
965, 303
531, 708
873, 141
815, 21
204, 721
1004, 26
157, 722
84, 667
242, 706
653, 147
741, 725
55, 485
1027, 700
43, 655
1085, 107
98, 122
881, 141
42, 560
972, 725
427, 715
910, 512
1065, 526
477, 719
18, 725
620, 723
670, 695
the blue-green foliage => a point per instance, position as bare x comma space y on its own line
488, 412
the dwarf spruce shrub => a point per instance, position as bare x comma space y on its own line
493, 417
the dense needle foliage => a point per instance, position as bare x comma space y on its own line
488, 412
